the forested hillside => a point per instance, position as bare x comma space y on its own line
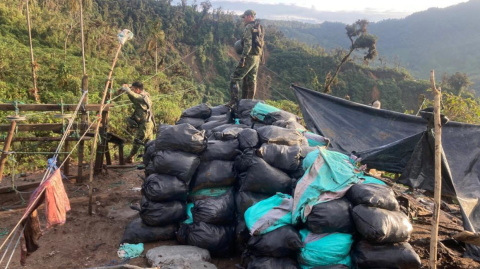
442, 39
193, 45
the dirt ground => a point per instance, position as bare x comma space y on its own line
92, 241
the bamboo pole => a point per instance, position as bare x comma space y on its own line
34, 77
84, 118
97, 128
6, 148
438, 173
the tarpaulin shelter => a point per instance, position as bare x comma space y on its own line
400, 143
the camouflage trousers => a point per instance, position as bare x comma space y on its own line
143, 134
248, 74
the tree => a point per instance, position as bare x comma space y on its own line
360, 39
458, 82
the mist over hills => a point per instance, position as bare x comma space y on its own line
443, 39
292, 12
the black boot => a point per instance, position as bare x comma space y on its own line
233, 94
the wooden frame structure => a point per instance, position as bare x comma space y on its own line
57, 127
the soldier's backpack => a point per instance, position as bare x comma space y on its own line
258, 34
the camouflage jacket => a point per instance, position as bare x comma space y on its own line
249, 47
142, 105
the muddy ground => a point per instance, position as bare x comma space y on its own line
91, 241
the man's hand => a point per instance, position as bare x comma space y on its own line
242, 62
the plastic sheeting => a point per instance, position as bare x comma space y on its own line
396, 142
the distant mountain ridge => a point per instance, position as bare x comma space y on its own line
445, 39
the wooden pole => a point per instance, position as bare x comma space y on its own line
83, 128
6, 148
84, 119
94, 144
34, 77
438, 173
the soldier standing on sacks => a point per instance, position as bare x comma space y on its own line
142, 117
247, 69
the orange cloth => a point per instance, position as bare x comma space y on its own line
57, 205
56, 200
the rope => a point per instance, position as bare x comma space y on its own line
8, 247
172, 64
34, 152
281, 94
15, 247
276, 74
50, 169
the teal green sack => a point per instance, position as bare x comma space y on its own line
327, 174
324, 249
269, 214
209, 192
261, 110
189, 219
372, 180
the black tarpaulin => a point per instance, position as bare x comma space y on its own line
396, 142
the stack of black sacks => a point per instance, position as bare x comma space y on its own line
222, 162
212, 207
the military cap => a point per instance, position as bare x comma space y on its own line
249, 12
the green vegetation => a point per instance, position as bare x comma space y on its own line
443, 39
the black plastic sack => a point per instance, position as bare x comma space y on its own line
297, 174
331, 217
280, 136
182, 234
219, 240
246, 120
248, 138
195, 122
162, 214
138, 232
263, 178
161, 188
230, 133
285, 158
279, 243
306, 150
244, 200
245, 105
176, 163
257, 125
272, 117
397, 255
289, 124
221, 150
375, 195
215, 210
335, 266
244, 160
149, 152
162, 128
211, 125
202, 111
214, 174
150, 169
250, 261
381, 225
224, 117
242, 235
220, 110
182, 137
149, 144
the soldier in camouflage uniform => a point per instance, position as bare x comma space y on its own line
142, 117
247, 69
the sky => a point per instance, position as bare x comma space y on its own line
316, 11
364, 5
